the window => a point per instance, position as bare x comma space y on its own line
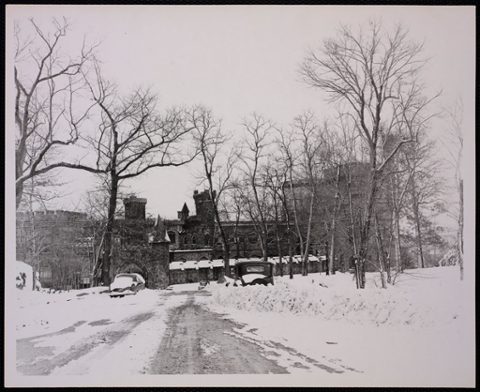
194, 240
255, 268
171, 235
46, 273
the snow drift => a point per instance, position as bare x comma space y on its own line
419, 298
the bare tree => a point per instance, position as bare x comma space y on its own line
398, 178
311, 165
276, 179
455, 148
96, 205
376, 74
255, 194
285, 174
425, 185
338, 154
234, 207
48, 79
131, 139
217, 172
291, 189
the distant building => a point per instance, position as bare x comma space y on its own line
57, 245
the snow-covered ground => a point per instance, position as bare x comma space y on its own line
419, 332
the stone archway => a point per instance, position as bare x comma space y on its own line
136, 269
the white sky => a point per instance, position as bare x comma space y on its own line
241, 59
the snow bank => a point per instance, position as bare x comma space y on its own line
420, 298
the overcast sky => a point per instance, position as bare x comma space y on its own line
241, 59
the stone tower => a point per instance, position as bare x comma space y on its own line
204, 206
134, 207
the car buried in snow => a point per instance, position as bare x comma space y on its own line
126, 284
252, 272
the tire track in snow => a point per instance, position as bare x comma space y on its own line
197, 341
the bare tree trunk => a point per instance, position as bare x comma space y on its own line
280, 255
265, 239
331, 243
289, 231
380, 252
418, 229
396, 224
279, 244
235, 231
460, 231
388, 265
365, 229
309, 232
295, 215
225, 244
109, 235
354, 240
290, 253
421, 261
396, 239
333, 228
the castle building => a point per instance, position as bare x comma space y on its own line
182, 250
134, 207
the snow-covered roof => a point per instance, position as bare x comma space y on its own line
192, 264
296, 259
235, 261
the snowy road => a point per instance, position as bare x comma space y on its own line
199, 341
187, 338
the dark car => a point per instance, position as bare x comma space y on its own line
253, 272
126, 284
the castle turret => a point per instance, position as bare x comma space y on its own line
134, 207
183, 214
204, 206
